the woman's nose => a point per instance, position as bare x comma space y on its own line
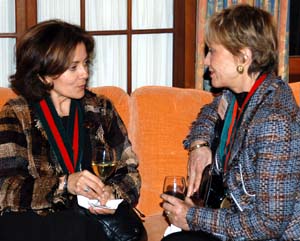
84, 71
207, 59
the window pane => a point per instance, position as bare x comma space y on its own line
7, 60
149, 14
152, 59
67, 10
110, 64
106, 14
7, 16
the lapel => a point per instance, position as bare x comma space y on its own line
253, 106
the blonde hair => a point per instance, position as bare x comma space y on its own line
243, 26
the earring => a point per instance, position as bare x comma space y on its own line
240, 69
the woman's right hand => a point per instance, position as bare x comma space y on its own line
198, 160
87, 184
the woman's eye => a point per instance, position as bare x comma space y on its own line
86, 63
72, 67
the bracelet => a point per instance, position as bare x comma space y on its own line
65, 186
197, 146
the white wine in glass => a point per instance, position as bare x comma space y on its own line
175, 186
103, 163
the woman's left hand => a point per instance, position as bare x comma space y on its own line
89, 185
176, 210
107, 194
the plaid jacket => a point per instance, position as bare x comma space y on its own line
264, 174
29, 170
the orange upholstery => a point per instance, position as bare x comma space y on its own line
119, 97
5, 94
296, 90
158, 119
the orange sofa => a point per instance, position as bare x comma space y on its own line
158, 119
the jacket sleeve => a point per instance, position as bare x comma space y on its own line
203, 127
126, 181
20, 182
274, 151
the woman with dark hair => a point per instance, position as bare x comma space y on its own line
257, 157
47, 135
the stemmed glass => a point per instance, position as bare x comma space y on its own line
175, 186
103, 163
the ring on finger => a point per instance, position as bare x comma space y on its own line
86, 189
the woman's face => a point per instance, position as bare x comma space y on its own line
222, 66
72, 83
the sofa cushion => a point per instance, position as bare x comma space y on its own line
5, 95
156, 226
160, 118
296, 90
119, 98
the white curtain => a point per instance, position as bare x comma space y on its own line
106, 14
152, 60
110, 64
7, 16
7, 25
7, 61
67, 10
152, 54
147, 14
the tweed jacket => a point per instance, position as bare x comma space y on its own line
263, 178
29, 170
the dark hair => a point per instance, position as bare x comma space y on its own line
241, 26
46, 49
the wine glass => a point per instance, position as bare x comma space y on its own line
175, 186
103, 163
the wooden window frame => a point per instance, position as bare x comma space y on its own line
294, 69
184, 36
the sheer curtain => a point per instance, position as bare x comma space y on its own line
7, 25
7, 61
152, 57
110, 64
152, 60
67, 10
152, 54
106, 15
280, 11
147, 14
